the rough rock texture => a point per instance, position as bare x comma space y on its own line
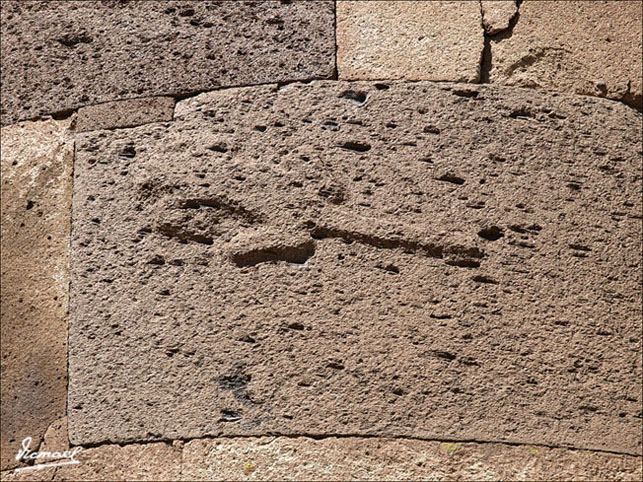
497, 15
153, 462
437, 261
351, 458
409, 40
58, 56
36, 201
125, 113
381, 459
56, 437
591, 48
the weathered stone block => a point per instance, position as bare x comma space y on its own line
591, 48
124, 113
497, 14
135, 462
420, 40
58, 56
332, 458
357, 458
435, 261
36, 162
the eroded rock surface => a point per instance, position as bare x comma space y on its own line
419, 40
136, 462
37, 160
354, 458
332, 458
591, 48
497, 15
435, 261
124, 113
58, 56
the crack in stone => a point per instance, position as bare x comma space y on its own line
316, 436
486, 58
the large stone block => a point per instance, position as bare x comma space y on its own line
420, 40
58, 56
355, 458
436, 261
332, 458
591, 48
37, 160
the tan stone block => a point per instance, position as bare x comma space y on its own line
357, 458
36, 208
409, 40
125, 113
346, 458
591, 48
367, 258
154, 461
497, 15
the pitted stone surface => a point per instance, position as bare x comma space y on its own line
355, 458
419, 40
591, 48
58, 56
497, 14
436, 261
135, 462
37, 159
333, 458
124, 113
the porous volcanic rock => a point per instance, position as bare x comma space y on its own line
419, 40
591, 48
37, 159
58, 56
124, 113
435, 261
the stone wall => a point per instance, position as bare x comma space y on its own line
322, 240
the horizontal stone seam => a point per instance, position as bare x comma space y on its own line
170, 441
61, 115
177, 96
278, 84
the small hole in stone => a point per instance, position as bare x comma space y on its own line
355, 146
356, 97
128, 152
491, 233
219, 147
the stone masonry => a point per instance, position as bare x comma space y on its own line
293, 256
321, 240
